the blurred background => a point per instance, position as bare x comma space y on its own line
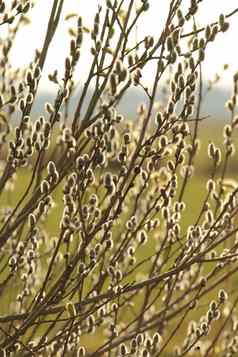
222, 52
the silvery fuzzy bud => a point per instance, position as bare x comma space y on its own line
208, 32
32, 220
29, 98
201, 55
156, 338
44, 187
49, 108
227, 131
113, 84
217, 156
142, 237
37, 72
221, 20
169, 44
26, 8
215, 30
123, 350
70, 308
222, 296
159, 119
211, 150
210, 185
81, 352
51, 168
180, 16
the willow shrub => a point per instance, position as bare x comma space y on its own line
123, 273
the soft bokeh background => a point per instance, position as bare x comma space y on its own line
223, 50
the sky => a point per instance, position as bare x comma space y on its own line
223, 50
